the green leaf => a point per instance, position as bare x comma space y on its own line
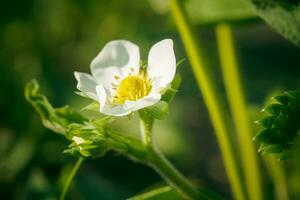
282, 15
56, 119
273, 109
281, 125
263, 136
266, 121
283, 99
157, 111
273, 148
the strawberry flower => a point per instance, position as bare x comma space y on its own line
118, 81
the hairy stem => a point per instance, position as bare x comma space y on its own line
173, 176
146, 131
157, 161
237, 102
70, 178
214, 103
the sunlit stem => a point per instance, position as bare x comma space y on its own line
146, 131
237, 102
167, 171
217, 113
174, 177
70, 178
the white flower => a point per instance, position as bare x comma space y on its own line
118, 81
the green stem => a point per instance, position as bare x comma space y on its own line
70, 178
173, 176
214, 104
157, 161
146, 131
239, 111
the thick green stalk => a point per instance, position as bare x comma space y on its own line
157, 161
239, 111
214, 104
70, 178
174, 177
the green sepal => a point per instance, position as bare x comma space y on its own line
79, 93
160, 110
180, 62
95, 143
171, 91
94, 106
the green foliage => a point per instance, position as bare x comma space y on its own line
90, 138
160, 193
281, 125
215, 11
211, 11
282, 15
56, 119
167, 192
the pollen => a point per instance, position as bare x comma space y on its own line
132, 88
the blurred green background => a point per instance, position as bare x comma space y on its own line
49, 40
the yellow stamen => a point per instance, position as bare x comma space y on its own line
132, 88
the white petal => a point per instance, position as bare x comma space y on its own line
117, 58
142, 103
101, 95
78, 140
130, 106
115, 110
162, 62
86, 84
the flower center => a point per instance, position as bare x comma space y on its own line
132, 88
